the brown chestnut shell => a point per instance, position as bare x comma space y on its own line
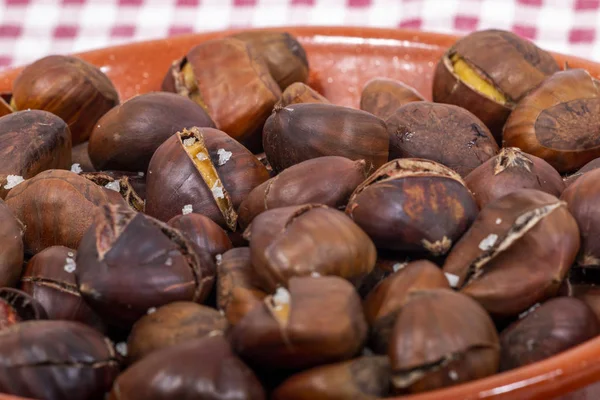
382, 96
12, 248
298, 93
204, 234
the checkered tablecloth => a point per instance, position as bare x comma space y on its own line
30, 29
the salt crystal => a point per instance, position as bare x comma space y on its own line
315, 274
71, 254
141, 174
530, 344
151, 310
76, 168
224, 156
12, 181
281, 296
488, 242
498, 221
219, 258
169, 262
201, 156
217, 191
398, 266
187, 209
121, 348
528, 311
189, 141
452, 279
453, 375
114, 185
70, 265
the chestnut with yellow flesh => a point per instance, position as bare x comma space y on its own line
471, 77
191, 86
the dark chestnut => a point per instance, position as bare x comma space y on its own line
81, 159
298, 93
11, 248
17, 306
202, 232
382, 96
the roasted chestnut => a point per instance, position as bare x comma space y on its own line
582, 283
558, 121
204, 171
76, 91
81, 159
202, 232
119, 186
300, 132
512, 170
11, 248
413, 205
592, 165
516, 253
298, 93
5, 108
138, 127
441, 338
31, 142
488, 73
382, 96
17, 306
306, 240
323, 180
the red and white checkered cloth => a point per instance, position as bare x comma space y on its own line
30, 29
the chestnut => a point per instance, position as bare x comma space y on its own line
81, 159
444, 133
580, 285
204, 171
56, 207
382, 96
363, 378
128, 262
441, 338
318, 320
203, 368
119, 186
56, 360
230, 80
553, 327
307, 240
300, 132
31, 142
17, 306
383, 304
5, 107
557, 121
139, 126
284, 55
324, 180
516, 253
238, 286
172, 324
11, 248
413, 205
386, 264
202, 232
49, 278
488, 72
512, 170
298, 93
73, 89
592, 165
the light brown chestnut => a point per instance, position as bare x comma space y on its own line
382, 96
12, 249
300, 93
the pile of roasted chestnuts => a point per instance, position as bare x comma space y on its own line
238, 236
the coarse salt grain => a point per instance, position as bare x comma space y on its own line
12, 181
201, 156
219, 258
70, 265
498, 221
453, 375
217, 191
121, 348
224, 156
189, 141
114, 185
169, 262
398, 266
488, 242
452, 279
151, 310
281, 297
141, 174
315, 274
187, 209
76, 168
528, 311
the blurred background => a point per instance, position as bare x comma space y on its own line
30, 29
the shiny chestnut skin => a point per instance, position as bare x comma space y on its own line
17, 306
56, 360
171, 324
441, 338
80, 155
558, 121
203, 368
443, 133
139, 126
509, 64
512, 170
413, 205
553, 327
202, 232
284, 55
238, 286
128, 262
492, 262
73, 89
298, 93
12, 248
175, 180
383, 303
363, 378
50, 280
300, 132
326, 180
382, 96
231, 81
592, 165
32, 142
317, 321
301, 240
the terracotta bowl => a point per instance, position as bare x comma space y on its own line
342, 60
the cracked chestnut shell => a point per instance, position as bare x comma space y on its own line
307, 239
76, 91
49, 279
12, 248
516, 253
382, 96
118, 185
298, 93
413, 205
32, 142
17, 306
317, 321
128, 262
230, 80
171, 324
204, 168
5, 108
139, 126
324, 180
512, 170
56, 360
300, 132
363, 378
558, 121
204, 368
441, 338
489, 72
383, 303
204, 234
443, 133
52, 196
553, 327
